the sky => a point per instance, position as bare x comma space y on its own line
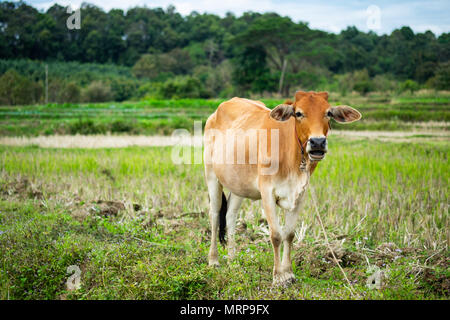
379, 16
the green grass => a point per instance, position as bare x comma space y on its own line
384, 205
163, 116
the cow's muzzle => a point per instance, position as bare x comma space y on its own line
316, 148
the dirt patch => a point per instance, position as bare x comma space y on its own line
396, 136
107, 208
319, 258
98, 141
102, 208
437, 282
387, 253
111, 208
428, 268
122, 141
432, 272
21, 187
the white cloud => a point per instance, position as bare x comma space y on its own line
433, 28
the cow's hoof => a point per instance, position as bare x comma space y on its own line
284, 279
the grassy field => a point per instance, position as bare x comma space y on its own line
137, 225
430, 111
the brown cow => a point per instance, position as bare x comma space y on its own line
280, 149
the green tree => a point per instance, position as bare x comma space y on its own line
251, 72
268, 52
278, 36
441, 80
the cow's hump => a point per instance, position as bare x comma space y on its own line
238, 110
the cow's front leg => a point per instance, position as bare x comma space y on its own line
288, 236
269, 206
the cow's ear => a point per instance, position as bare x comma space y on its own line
344, 114
282, 112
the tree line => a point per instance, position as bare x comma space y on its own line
160, 52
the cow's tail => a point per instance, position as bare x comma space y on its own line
223, 220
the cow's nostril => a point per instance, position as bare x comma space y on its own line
318, 143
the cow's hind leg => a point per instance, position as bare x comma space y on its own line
234, 203
215, 190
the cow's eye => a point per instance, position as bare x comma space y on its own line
298, 114
329, 114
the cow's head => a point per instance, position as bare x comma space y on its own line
313, 114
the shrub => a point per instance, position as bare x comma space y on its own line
16, 89
363, 87
70, 93
362, 82
86, 127
409, 85
149, 90
97, 91
121, 126
150, 66
182, 87
383, 83
215, 79
146, 67
344, 83
123, 89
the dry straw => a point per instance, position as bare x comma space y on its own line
313, 196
